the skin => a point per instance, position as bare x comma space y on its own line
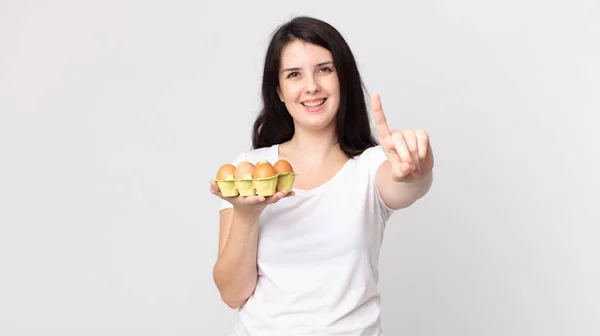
308, 75
407, 174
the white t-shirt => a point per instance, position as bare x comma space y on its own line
318, 256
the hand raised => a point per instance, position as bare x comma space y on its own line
408, 151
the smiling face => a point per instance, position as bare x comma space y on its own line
309, 86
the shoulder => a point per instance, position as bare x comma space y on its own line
370, 153
366, 166
371, 158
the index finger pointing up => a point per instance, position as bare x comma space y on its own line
379, 117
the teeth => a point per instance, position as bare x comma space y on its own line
314, 104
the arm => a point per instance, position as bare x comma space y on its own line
401, 194
406, 175
235, 272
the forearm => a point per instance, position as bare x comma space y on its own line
414, 189
398, 195
235, 272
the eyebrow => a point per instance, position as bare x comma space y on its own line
318, 65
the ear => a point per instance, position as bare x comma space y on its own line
280, 94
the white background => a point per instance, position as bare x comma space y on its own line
114, 115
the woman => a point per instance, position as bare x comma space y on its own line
306, 262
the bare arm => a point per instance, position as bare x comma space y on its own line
406, 175
401, 194
235, 271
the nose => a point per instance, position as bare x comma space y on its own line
312, 84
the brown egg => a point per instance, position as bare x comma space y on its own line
263, 169
283, 166
226, 172
244, 171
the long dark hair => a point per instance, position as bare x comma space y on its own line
274, 124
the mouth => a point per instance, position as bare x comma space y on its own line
313, 103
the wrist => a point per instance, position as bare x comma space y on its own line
249, 216
411, 178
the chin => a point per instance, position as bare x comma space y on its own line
315, 124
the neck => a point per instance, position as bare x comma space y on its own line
314, 147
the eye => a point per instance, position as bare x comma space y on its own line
325, 69
293, 74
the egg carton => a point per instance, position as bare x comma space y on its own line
260, 186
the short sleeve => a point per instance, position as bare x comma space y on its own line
371, 159
236, 160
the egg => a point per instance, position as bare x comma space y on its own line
226, 172
244, 171
263, 169
283, 166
